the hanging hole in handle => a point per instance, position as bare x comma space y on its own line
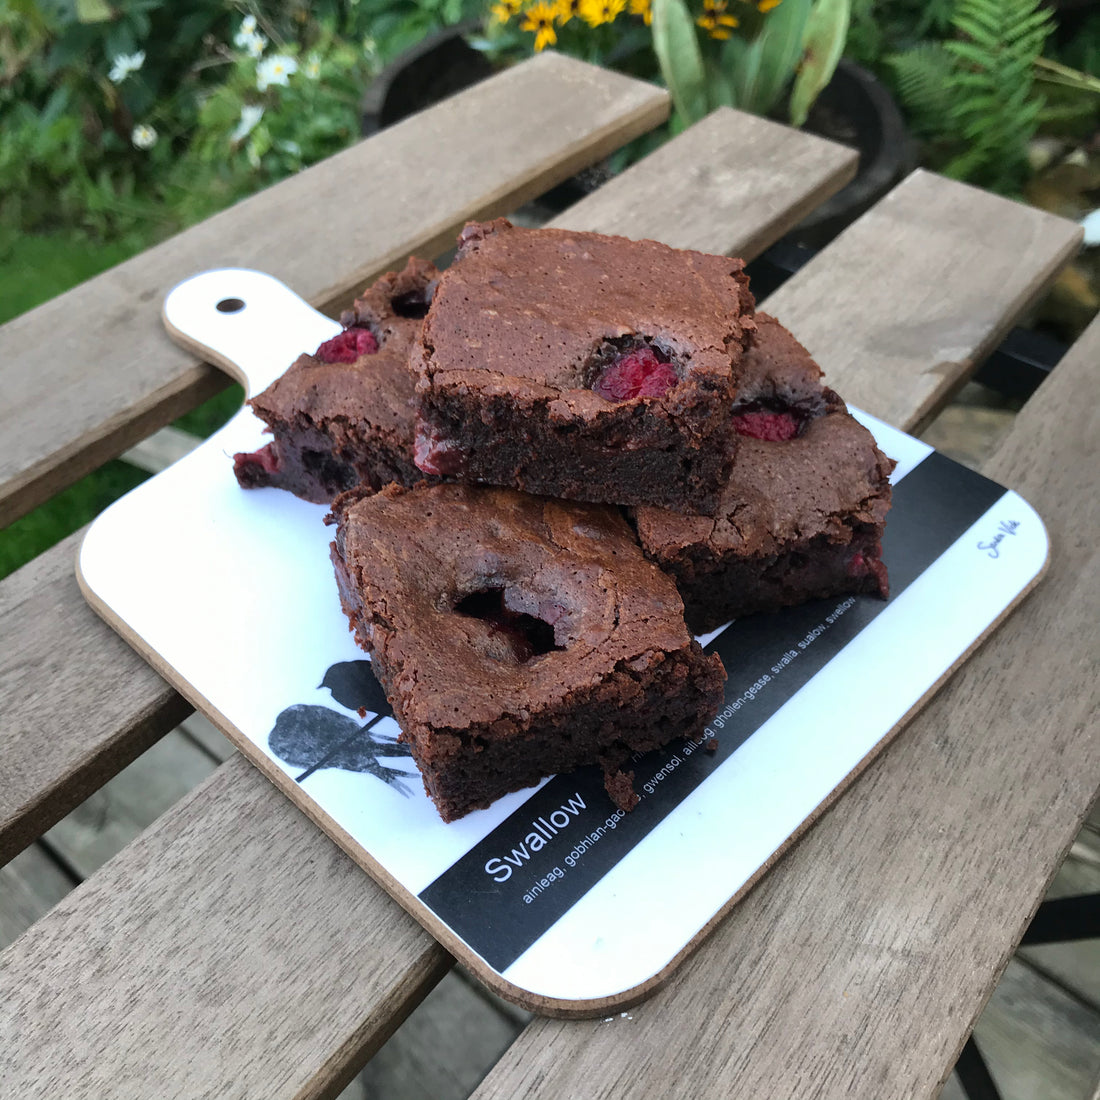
230, 305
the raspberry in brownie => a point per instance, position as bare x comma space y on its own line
583, 366
516, 636
803, 512
345, 415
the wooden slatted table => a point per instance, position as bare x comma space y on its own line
232, 950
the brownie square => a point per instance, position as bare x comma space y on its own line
582, 366
803, 511
516, 636
345, 415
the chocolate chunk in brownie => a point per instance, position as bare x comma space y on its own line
516, 636
345, 414
583, 366
803, 511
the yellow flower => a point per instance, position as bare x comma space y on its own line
716, 21
566, 10
504, 10
595, 12
766, 6
539, 18
643, 8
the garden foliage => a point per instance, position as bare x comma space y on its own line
124, 120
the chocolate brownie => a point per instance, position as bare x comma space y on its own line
803, 512
582, 366
345, 415
516, 636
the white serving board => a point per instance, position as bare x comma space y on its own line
556, 900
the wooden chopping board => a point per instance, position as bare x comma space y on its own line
555, 899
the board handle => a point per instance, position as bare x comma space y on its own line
246, 322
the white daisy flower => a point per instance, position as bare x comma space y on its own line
247, 31
276, 69
254, 45
312, 67
249, 117
124, 65
143, 136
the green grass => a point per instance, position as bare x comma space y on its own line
67, 512
212, 414
33, 270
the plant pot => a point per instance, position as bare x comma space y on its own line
440, 65
856, 110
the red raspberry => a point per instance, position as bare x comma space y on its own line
257, 469
432, 454
256, 463
348, 346
639, 373
776, 427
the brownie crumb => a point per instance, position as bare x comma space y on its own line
711, 745
620, 786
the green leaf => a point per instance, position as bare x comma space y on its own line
923, 76
772, 57
720, 87
93, 11
826, 33
677, 49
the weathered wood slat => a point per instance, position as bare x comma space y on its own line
79, 704
92, 372
857, 967
966, 263
198, 972
126, 702
742, 182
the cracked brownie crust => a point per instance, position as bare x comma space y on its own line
516, 636
582, 366
803, 512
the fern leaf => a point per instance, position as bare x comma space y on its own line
922, 76
993, 109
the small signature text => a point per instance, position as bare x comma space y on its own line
992, 546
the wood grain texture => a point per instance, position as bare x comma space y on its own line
742, 182
177, 964
91, 372
861, 962
905, 303
79, 704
